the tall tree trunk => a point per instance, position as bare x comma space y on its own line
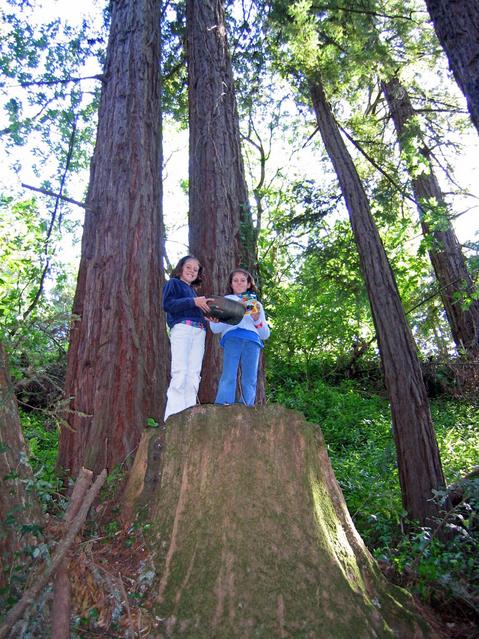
445, 251
221, 230
116, 375
18, 507
456, 23
418, 458
250, 536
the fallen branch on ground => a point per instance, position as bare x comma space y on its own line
61, 587
32, 593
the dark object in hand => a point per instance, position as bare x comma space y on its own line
226, 310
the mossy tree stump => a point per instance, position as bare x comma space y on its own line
251, 536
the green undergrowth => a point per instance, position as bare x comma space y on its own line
357, 429
42, 440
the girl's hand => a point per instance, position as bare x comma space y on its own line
201, 302
256, 315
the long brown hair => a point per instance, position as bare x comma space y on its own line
178, 270
250, 279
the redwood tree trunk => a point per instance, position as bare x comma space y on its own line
221, 230
419, 464
18, 507
116, 375
445, 251
456, 23
250, 537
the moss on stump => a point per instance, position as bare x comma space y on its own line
251, 537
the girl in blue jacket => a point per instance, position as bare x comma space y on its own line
187, 335
242, 343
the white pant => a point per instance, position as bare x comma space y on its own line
187, 350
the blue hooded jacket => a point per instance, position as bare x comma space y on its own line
178, 302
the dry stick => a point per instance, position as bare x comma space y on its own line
131, 632
30, 595
61, 587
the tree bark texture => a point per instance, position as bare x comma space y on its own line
18, 507
251, 537
221, 230
117, 362
445, 251
456, 23
419, 464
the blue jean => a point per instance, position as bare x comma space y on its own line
239, 352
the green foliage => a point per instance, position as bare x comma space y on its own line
174, 69
21, 259
357, 431
321, 306
443, 573
42, 441
457, 431
50, 106
33, 323
43, 62
51, 114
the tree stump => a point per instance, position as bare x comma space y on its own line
251, 536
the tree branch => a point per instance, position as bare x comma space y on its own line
46, 268
32, 593
376, 166
40, 83
55, 195
61, 587
435, 293
367, 12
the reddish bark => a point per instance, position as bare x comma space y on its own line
116, 375
221, 230
445, 251
456, 23
18, 507
419, 464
